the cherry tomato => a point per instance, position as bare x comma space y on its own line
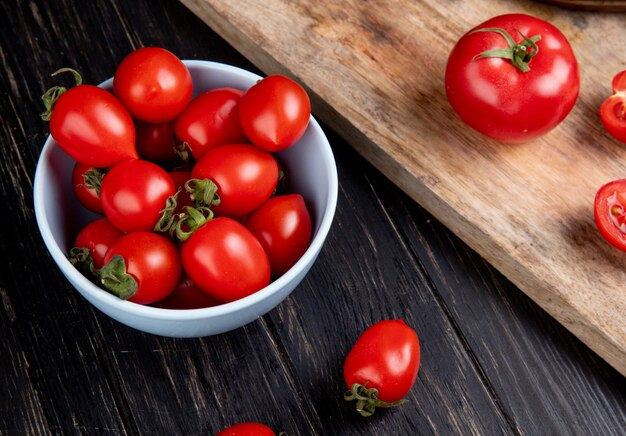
134, 193
211, 119
187, 295
225, 260
512, 100
184, 198
610, 212
247, 429
156, 142
274, 113
98, 236
613, 110
283, 227
86, 184
153, 84
382, 365
93, 127
150, 270
245, 176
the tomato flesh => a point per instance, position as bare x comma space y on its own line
610, 213
613, 109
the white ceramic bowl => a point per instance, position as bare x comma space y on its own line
309, 164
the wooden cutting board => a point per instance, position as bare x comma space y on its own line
375, 72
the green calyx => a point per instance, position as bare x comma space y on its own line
116, 280
93, 179
367, 399
520, 54
81, 258
203, 192
51, 96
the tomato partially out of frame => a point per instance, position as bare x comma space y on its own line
247, 429
610, 212
613, 110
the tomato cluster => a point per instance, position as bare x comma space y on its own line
194, 214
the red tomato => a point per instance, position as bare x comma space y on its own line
247, 429
156, 142
86, 184
184, 198
274, 113
497, 98
382, 365
98, 236
610, 212
225, 260
187, 295
613, 110
152, 268
153, 84
211, 119
283, 227
134, 193
245, 176
92, 126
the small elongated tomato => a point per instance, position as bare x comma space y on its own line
274, 113
142, 267
134, 193
98, 236
187, 295
93, 127
247, 429
283, 227
153, 84
610, 212
211, 119
245, 176
225, 260
86, 185
156, 142
382, 365
613, 110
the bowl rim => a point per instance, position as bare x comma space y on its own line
131, 308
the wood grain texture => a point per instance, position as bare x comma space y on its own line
375, 70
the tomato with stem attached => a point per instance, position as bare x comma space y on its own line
613, 110
86, 182
92, 244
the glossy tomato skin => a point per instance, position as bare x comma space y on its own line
211, 119
283, 227
274, 113
245, 176
610, 212
247, 429
386, 357
134, 193
500, 101
98, 236
225, 260
152, 260
153, 84
93, 127
88, 197
613, 110
156, 142
187, 295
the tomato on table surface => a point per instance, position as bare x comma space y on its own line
245, 176
610, 212
283, 227
134, 193
86, 182
382, 366
96, 237
613, 110
187, 295
275, 113
153, 84
142, 267
247, 429
225, 260
90, 124
211, 119
156, 142
512, 78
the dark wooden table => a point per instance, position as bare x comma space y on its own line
492, 361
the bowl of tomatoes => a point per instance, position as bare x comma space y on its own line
214, 260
